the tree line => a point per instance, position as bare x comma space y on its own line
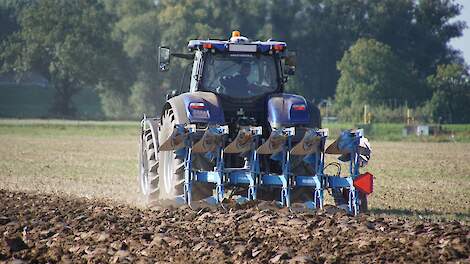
355, 52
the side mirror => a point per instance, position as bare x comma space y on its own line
290, 62
163, 59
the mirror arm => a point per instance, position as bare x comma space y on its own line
186, 56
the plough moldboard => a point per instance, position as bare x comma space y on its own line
187, 141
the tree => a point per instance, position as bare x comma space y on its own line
54, 35
434, 25
322, 30
451, 94
9, 11
371, 74
68, 42
7, 20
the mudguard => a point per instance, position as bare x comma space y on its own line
210, 111
288, 110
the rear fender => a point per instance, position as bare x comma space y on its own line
211, 113
281, 112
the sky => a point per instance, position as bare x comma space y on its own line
463, 43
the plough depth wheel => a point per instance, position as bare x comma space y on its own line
342, 200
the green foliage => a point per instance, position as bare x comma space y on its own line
371, 74
142, 99
392, 131
67, 42
386, 114
451, 97
33, 101
433, 26
138, 30
383, 114
416, 31
115, 103
55, 128
112, 45
7, 19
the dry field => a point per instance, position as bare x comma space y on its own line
69, 194
48, 229
92, 159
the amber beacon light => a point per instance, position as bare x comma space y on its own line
235, 34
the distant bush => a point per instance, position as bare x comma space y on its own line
381, 113
385, 114
115, 104
451, 94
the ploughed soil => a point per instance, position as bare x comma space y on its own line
40, 228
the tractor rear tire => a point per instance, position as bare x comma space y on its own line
148, 176
171, 169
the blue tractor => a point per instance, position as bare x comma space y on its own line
233, 132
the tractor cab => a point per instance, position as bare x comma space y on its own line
236, 68
245, 79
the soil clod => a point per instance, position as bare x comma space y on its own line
41, 228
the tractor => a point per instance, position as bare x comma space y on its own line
231, 131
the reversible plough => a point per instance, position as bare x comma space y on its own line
186, 141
